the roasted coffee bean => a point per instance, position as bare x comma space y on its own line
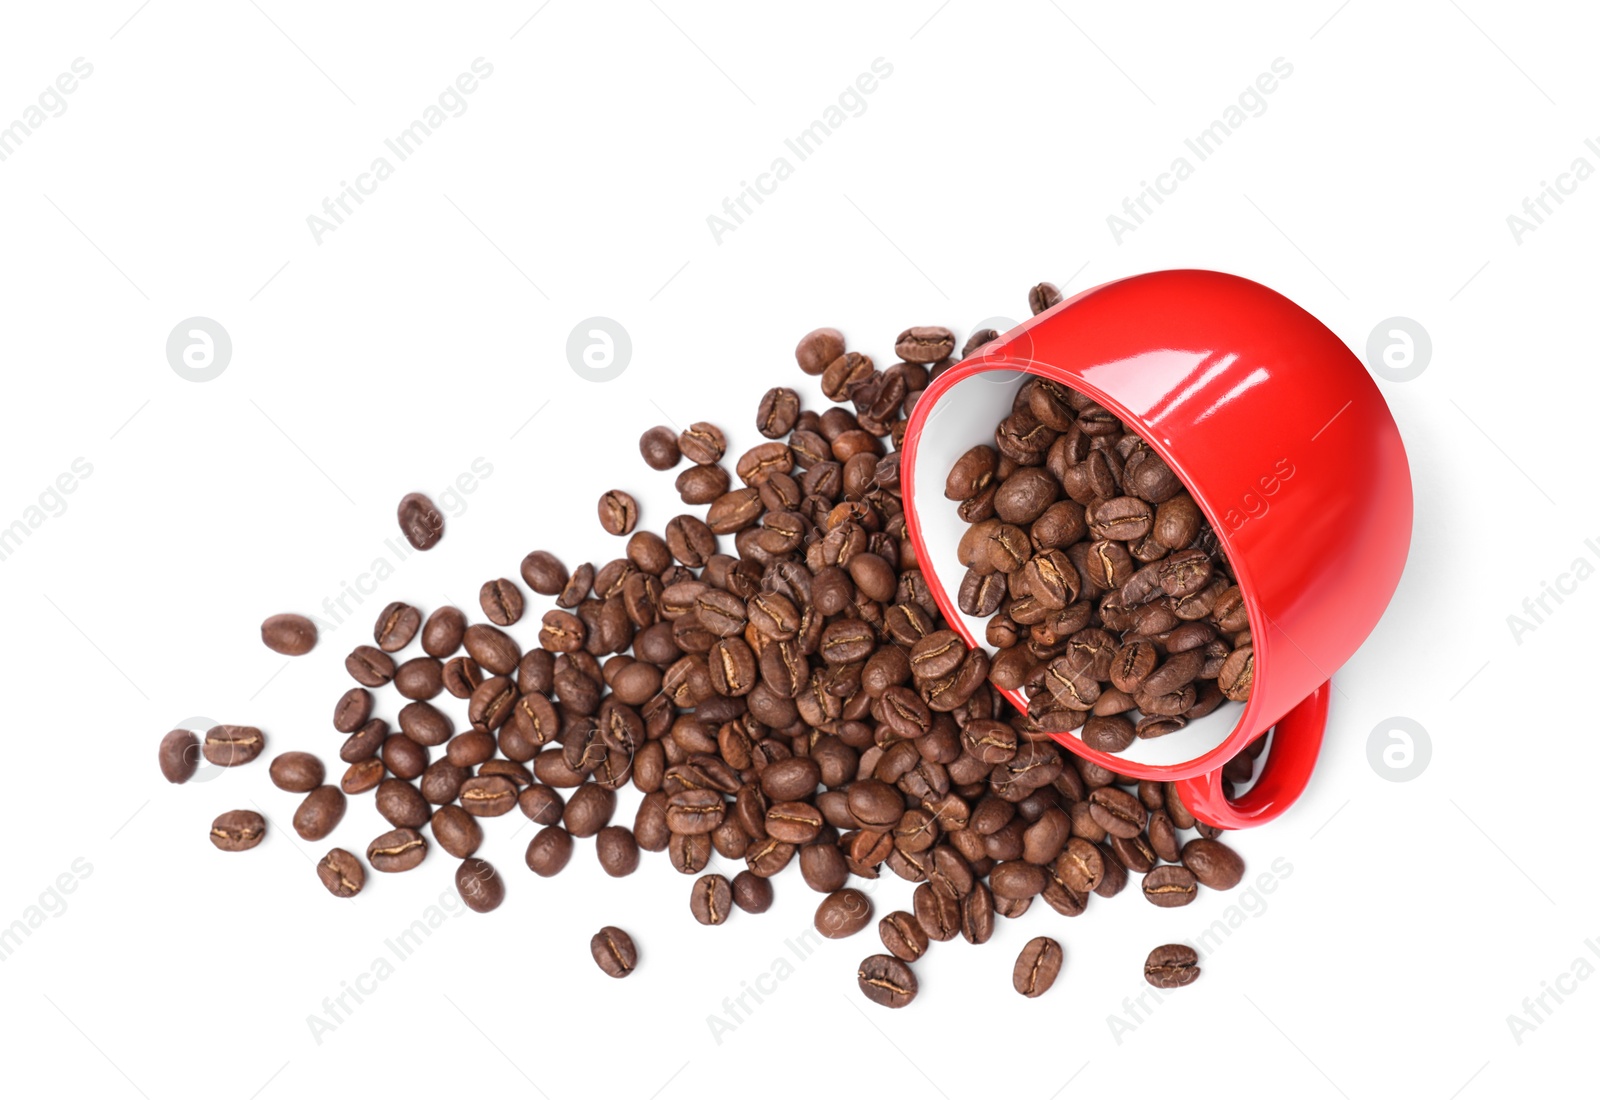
397, 850
1169, 886
179, 756
369, 666
977, 915
549, 851
341, 873
362, 775
751, 892
1172, 965
501, 601
617, 850
1037, 967
540, 804
659, 446
887, 981
238, 830
711, 899
403, 756
456, 831
1042, 297
903, 936
480, 885
1213, 863
925, 344
420, 522
291, 635
1163, 837
402, 805
489, 796
443, 631
397, 624
1236, 674
1117, 812
441, 782
419, 678
320, 812
352, 710
588, 810
296, 773
230, 746
614, 952
843, 913
619, 512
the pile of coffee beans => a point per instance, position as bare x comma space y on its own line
1109, 603
773, 678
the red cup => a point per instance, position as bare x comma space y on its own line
1284, 442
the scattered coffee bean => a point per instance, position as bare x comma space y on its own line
614, 952
397, 624
711, 900
420, 522
752, 893
1172, 965
341, 873
501, 601
887, 981
843, 913
397, 850
238, 830
298, 772
618, 512
480, 885
179, 756
230, 746
1037, 967
659, 446
291, 635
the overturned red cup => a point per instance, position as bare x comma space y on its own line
1285, 443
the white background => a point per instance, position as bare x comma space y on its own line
425, 333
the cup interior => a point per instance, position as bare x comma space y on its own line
965, 416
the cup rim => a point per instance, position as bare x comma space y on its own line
1245, 728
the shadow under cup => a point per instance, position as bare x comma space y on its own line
965, 416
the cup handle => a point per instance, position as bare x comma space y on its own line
1290, 758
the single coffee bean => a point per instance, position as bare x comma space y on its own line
1117, 812
619, 512
1172, 965
492, 648
549, 851
420, 522
179, 756
1037, 967
778, 412
925, 344
702, 443
887, 981
403, 757
402, 805
352, 710
614, 952
456, 831
843, 913
540, 804
291, 635
488, 795
617, 850
369, 666
818, 348
230, 746
501, 601
297, 772
939, 915
420, 678
589, 810
397, 624
238, 830
903, 936
363, 775
397, 850
659, 446
442, 633
341, 873
1042, 297
977, 915
751, 892
711, 899
1213, 863
480, 885
1169, 886
319, 813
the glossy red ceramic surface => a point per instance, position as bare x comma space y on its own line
1285, 443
